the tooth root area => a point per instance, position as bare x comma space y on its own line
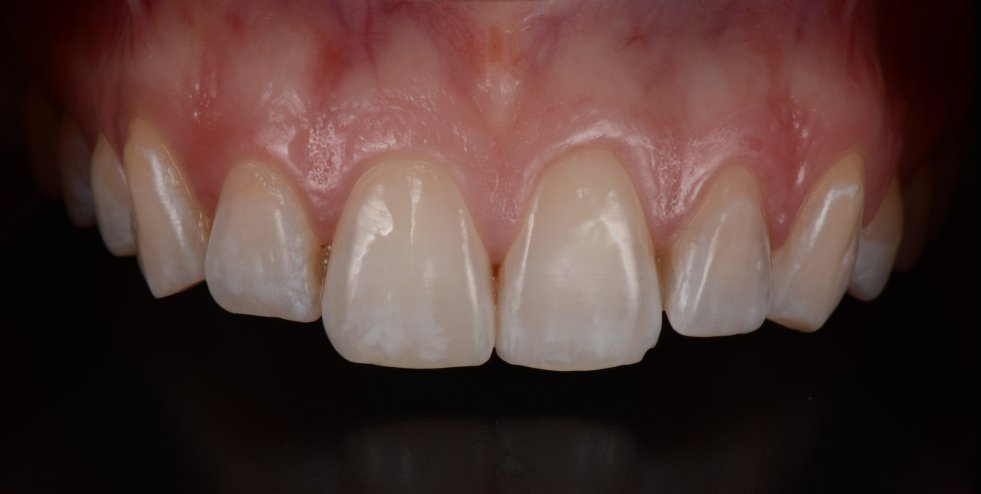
716, 276
171, 230
579, 286
73, 159
878, 243
408, 283
263, 258
811, 270
110, 195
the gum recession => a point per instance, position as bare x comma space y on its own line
201, 105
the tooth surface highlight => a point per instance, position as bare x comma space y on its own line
263, 257
579, 287
878, 243
76, 183
409, 283
811, 270
110, 194
717, 274
171, 230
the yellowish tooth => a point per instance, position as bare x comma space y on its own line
76, 182
263, 257
878, 243
579, 287
171, 229
811, 270
716, 276
110, 194
409, 283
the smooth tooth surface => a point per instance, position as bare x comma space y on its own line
716, 276
579, 287
74, 160
917, 211
110, 195
171, 229
878, 243
409, 283
263, 257
811, 270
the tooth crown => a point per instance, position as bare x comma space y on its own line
110, 194
408, 282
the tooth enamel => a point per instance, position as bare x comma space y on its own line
579, 287
717, 274
171, 230
76, 182
263, 257
811, 270
110, 195
877, 246
408, 283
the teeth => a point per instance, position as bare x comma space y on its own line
917, 211
171, 230
263, 257
110, 194
579, 287
76, 182
717, 274
811, 271
408, 283
877, 246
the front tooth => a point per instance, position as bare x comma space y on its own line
110, 193
171, 230
263, 257
76, 182
811, 271
878, 243
717, 273
409, 282
579, 287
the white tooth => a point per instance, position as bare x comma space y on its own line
171, 230
76, 183
579, 287
877, 246
917, 211
811, 271
41, 134
263, 257
717, 273
408, 283
113, 206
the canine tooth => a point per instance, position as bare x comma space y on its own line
717, 274
171, 230
76, 182
579, 287
811, 270
110, 195
263, 257
877, 246
409, 283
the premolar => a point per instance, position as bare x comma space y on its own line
717, 274
171, 229
878, 243
113, 205
579, 287
409, 283
263, 257
811, 270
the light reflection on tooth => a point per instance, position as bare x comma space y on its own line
409, 282
171, 230
263, 257
717, 274
76, 183
811, 270
579, 287
110, 194
877, 246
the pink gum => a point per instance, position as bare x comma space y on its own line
677, 91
